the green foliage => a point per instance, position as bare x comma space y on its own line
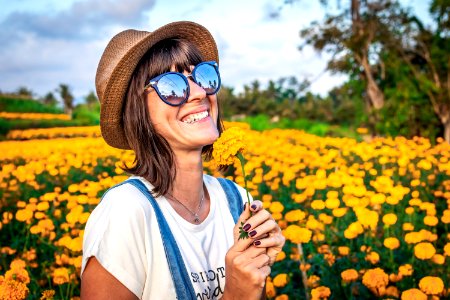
10, 104
87, 113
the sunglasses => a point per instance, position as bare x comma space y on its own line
173, 87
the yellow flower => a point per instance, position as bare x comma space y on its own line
280, 280
349, 275
447, 249
23, 215
276, 207
376, 280
48, 295
297, 234
431, 285
60, 276
430, 220
228, 145
424, 250
12, 289
390, 219
438, 259
294, 215
405, 270
391, 243
344, 250
413, 294
270, 289
282, 297
373, 257
321, 292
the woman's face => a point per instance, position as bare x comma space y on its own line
177, 125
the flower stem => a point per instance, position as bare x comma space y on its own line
242, 161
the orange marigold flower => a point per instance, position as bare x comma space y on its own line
390, 219
48, 295
447, 249
321, 292
392, 291
228, 145
349, 275
391, 243
438, 259
297, 234
282, 297
270, 289
430, 220
280, 280
431, 285
60, 276
373, 257
405, 270
18, 275
376, 280
424, 250
294, 215
343, 250
413, 294
12, 289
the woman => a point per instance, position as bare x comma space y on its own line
169, 231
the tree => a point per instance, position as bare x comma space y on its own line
67, 97
49, 99
24, 92
91, 99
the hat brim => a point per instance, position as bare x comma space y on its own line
113, 97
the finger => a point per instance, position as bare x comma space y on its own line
256, 206
262, 229
242, 219
256, 219
260, 261
270, 240
252, 252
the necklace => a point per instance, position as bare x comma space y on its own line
194, 214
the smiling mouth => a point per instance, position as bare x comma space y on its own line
192, 118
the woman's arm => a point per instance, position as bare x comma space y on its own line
99, 284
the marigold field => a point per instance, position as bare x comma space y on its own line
362, 220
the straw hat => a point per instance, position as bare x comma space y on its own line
121, 57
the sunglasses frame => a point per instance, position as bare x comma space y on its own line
153, 83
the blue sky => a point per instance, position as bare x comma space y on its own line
47, 42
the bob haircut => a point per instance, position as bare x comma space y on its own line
154, 159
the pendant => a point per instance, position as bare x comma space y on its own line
196, 220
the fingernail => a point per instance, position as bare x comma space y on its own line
245, 205
253, 233
254, 206
257, 243
247, 227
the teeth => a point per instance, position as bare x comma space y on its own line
196, 117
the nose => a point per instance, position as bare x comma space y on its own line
196, 92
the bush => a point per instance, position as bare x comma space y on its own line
9, 104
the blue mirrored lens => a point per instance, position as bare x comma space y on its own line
172, 88
207, 77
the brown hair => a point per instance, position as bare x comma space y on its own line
154, 159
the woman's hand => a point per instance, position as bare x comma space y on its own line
264, 231
246, 265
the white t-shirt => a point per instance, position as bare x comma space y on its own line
123, 234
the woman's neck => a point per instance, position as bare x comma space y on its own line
188, 184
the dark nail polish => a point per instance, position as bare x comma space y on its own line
254, 206
257, 243
245, 205
246, 227
253, 233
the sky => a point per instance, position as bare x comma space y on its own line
48, 42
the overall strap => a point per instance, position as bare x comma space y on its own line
180, 277
233, 196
